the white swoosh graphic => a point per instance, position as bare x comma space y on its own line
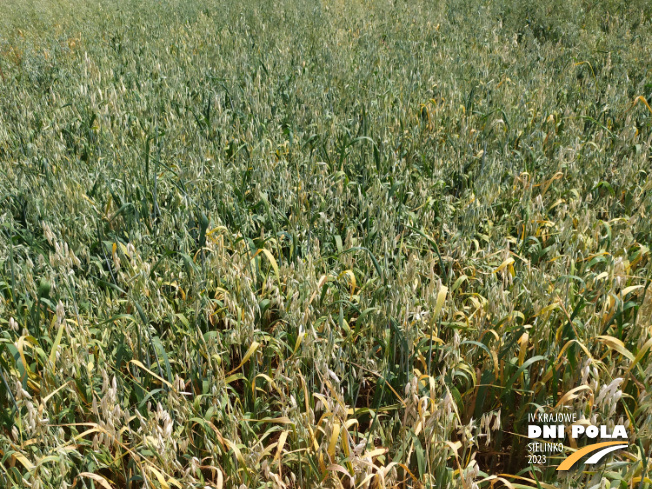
595, 458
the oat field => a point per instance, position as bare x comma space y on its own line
322, 243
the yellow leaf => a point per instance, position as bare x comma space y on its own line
351, 277
47, 398
24, 460
572, 394
523, 341
97, 478
272, 261
548, 308
441, 298
90, 201
220, 479
568, 344
254, 346
601, 276
404, 467
236, 450
641, 98
505, 481
557, 176
159, 477
346, 447
504, 264
377, 452
320, 284
616, 344
542, 484
299, 340
627, 290
139, 364
57, 341
175, 482
351, 422
281, 444
644, 250
233, 378
323, 400
638, 479
333, 440
218, 228
19, 346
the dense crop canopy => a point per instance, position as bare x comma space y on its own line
322, 244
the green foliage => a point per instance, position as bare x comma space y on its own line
321, 244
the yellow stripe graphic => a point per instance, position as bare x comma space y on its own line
570, 461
